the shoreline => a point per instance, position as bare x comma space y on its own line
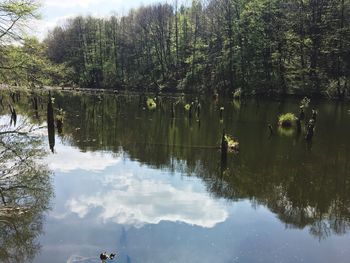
5, 87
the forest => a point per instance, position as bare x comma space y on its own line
269, 47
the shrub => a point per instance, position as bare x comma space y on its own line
287, 120
151, 105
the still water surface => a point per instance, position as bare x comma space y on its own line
127, 179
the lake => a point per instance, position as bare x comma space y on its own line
120, 177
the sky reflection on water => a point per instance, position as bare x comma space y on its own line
152, 215
143, 186
131, 194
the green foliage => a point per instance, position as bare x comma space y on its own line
243, 46
251, 47
232, 144
14, 15
26, 65
287, 120
151, 104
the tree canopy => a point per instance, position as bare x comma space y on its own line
257, 46
14, 15
260, 46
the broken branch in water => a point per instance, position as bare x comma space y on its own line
21, 132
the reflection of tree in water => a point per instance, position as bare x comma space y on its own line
25, 192
311, 195
304, 190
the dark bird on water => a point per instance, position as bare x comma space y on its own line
104, 256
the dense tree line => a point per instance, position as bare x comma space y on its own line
260, 46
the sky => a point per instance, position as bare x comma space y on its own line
55, 12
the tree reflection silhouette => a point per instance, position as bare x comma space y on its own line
304, 188
25, 193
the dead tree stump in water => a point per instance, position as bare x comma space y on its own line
221, 113
298, 122
310, 130
198, 110
50, 124
301, 114
190, 111
224, 147
13, 115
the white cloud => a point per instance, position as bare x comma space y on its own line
70, 3
40, 28
67, 159
137, 200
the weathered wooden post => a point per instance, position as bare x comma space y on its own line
59, 126
221, 112
314, 115
224, 147
50, 124
190, 111
59, 120
198, 110
298, 122
310, 130
13, 115
301, 114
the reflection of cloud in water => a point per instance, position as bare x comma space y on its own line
68, 159
136, 200
77, 258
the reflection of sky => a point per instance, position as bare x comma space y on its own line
137, 197
108, 203
67, 159
126, 193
